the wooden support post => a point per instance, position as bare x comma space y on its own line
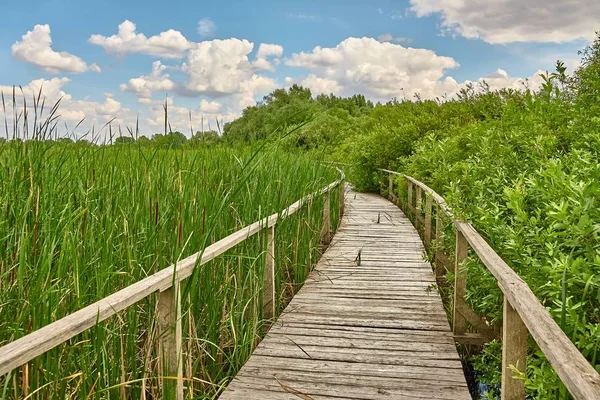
342, 198
439, 238
514, 352
418, 214
326, 231
269, 290
390, 187
460, 284
169, 324
428, 207
409, 202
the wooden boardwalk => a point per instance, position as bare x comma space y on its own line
372, 329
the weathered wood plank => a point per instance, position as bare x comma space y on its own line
371, 331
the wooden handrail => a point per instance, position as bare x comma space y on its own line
26, 348
523, 313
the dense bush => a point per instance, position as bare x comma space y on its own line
522, 166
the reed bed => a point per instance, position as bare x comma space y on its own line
80, 221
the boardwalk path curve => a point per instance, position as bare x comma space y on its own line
372, 329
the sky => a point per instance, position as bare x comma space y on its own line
121, 60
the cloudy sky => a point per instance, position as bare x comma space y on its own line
121, 59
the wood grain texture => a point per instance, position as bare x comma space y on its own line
169, 326
377, 330
269, 277
514, 353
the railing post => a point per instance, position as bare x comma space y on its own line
460, 284
428, 207
169, 324
325, 232
390, 187
514, 352
418, 214
409, 202
439, 238
342, 198
269, 285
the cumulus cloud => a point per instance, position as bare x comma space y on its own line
35, 48
315, 84
168, 44
501, 80
377, 70
71, 110
219, 68
510, 21
265, 50
210, 107
382, 70
144, 86
206, 27
202, 117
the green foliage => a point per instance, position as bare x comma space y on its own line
522, 166
528, 179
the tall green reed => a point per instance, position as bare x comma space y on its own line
79, 221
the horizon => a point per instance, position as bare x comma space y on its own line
122, 61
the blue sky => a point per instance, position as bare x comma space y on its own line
207, 56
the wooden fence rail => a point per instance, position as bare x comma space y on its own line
523, 313
167, 283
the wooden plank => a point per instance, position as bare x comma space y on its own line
446, 375
370, 331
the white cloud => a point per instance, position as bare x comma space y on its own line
383, 70
169, 44
206, 113
315, 84
265, 50
72, 111
500, 80
250, 88
210, 107
508, 21
388, 37
35, 48
144, 86
378, 70
219, 68
214, 69
206, 27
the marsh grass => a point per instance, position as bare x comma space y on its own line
79, 221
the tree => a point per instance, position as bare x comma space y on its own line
124, 140
172, 140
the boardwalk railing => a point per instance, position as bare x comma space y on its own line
167, 283
523, 313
